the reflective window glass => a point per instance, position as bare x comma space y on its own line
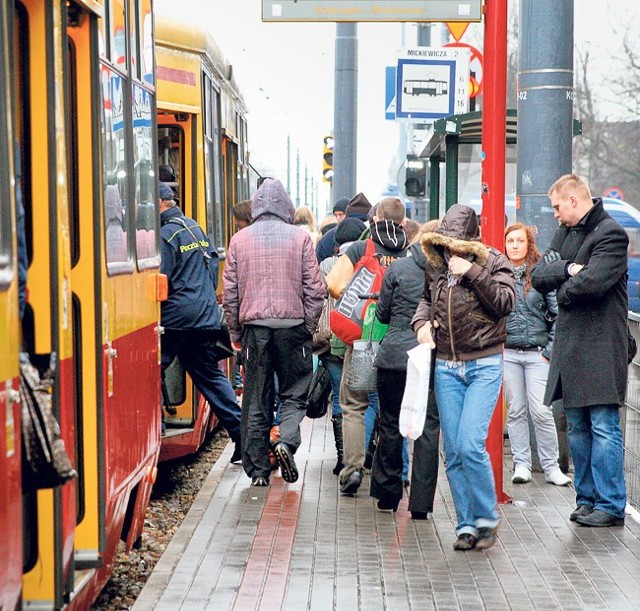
116, 208
144, 174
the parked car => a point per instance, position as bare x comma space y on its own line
629, 218
626, 215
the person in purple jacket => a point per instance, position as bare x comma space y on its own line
273, 296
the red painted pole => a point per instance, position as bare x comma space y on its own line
494, 136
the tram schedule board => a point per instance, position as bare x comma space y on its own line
372, 10
432, 83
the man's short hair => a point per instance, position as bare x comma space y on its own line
570, 182
242, 212
390, 208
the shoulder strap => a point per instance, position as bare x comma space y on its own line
178, 220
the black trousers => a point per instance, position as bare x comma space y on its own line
386, 471
199, 356
426, 458
288, 353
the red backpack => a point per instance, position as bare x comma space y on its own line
347, 317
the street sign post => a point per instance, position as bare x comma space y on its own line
431, 83
372, 10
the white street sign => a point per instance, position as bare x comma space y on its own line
432, 83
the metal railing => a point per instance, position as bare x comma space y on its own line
630, 421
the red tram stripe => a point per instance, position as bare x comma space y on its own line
175, 75
267, 570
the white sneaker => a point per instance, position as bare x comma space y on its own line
557, 478
522, 475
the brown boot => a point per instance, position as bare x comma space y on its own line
274, 437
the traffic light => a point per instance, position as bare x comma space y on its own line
327, 160
415, 183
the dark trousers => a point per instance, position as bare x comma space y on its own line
426, 457
386, 471
199, 356
288, 353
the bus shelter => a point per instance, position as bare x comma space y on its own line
455, 142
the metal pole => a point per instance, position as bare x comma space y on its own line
289, 164
494, 137
345, 111
545, 109
297, 177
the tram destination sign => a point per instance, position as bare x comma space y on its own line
372, 10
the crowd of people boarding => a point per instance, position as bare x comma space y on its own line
514, 319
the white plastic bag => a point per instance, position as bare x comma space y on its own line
413, 409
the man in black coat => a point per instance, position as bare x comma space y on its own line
587, 264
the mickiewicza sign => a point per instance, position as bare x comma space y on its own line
431, 83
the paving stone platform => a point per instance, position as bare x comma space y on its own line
304, 546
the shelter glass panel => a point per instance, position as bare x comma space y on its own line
146, 42
118, 33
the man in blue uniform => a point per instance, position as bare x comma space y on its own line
190, 316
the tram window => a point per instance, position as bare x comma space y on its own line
134, 39
117, 33
144, 173
145, 56
6, 200
214, 169
116, 207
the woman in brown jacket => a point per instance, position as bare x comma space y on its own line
462, 315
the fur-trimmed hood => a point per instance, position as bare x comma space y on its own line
459, 234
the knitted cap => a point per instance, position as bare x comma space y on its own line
341, 205
165, 191
349, 230
358, 204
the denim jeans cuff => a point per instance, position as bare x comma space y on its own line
470, 530
485, 523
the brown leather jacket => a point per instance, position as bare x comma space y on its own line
471, 314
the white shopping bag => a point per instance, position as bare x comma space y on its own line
413, 409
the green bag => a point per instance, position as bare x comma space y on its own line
372, 328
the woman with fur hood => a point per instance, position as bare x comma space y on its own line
469, 291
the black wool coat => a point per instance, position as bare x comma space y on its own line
589, 360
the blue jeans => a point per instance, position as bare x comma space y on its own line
595, 440
466, 393
334, 369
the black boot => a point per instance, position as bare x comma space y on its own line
337, 433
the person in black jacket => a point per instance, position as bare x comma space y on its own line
190, 316
402, 289
586, 263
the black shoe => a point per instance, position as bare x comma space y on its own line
419, 515
260, 481
486, 538
388, 505
599, 518
286, 462
339, 466
464, 542
352, 483
581, 510
236, 457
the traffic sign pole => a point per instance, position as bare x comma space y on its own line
494, 136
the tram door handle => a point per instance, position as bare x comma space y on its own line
112, 353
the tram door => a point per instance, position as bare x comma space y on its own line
41, 120
176, 167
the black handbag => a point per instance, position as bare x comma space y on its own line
319, 391
46, 463
223, 339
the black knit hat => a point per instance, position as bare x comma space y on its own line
341, 205
349, 229
358, 204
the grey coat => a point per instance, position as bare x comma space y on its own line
589, 360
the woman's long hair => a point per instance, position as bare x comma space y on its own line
533, 254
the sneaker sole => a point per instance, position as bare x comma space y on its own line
287, 464
519, 480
